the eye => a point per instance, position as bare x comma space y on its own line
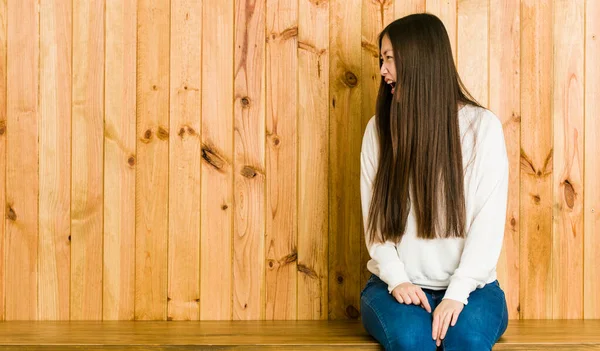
389, 57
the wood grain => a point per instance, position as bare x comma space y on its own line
54, 255
118, 292
568, 109
184, 161
249, 148
591, 187
3, 120
345, 121
152, 175
313, 158
536, 160
268, 335
472, 54
217, 166
375, 17
87, 145
505, 102
446, 10
22, 187
406, 7
281, 241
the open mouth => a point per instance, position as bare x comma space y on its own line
393, 85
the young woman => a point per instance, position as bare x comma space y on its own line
434, 187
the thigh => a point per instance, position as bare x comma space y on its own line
482, 321
396, 326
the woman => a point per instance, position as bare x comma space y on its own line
434, 185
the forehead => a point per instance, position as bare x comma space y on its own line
386, 44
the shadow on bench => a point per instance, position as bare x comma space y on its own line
264, 335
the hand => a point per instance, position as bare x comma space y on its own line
410, 294
445, 314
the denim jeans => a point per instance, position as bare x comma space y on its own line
400, 327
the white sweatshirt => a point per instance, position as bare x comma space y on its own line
459, 265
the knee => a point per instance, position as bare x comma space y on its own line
467, 342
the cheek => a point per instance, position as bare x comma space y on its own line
392, 69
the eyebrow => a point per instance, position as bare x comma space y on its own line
386, 51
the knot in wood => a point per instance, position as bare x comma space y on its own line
350, 79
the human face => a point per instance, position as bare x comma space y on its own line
388, 67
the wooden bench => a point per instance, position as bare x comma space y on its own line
264, 335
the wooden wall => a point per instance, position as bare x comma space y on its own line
191, 159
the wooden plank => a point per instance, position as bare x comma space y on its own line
446, 10
152, 176
505, 102
3, 88
87, 150
119, 161
406, 7
249, 162
22, 74
375, 17
217, 172
567, 231
204, 335
266, 335
184, 161
282, 222
345, 113
591, 264
54, 256
472, 54
313, 158
536, 160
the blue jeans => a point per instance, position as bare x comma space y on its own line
401, 327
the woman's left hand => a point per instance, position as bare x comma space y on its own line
444, 315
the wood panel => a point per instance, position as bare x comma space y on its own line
345, 120
54, 253
591, 188
118, 292
249, 148
217, 167
536, 160
3, 108
567, 230
505, 102
266, 335
406, 7
87, 154
152, 175
313, 158
375, 17
281, 246
184, 161
446, 10
22, 189
472, 54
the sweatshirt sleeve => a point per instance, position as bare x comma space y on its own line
485, 235
391, 269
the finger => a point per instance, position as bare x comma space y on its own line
438, 342
399, 298
455, 318
414, 298
446, 324
424, 300
406, 298
434, 327
441, 319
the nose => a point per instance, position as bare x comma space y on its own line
383, 70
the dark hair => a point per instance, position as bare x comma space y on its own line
419, 137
